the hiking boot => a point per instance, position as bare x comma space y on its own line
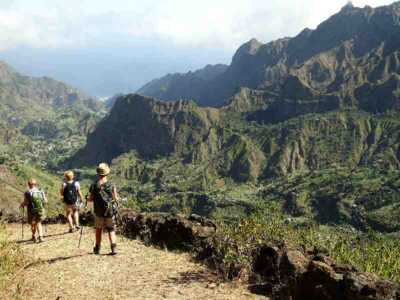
71, 230
33, 239
96, 250
41, 240
78, 227
113, 249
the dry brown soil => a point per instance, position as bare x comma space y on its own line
59, 270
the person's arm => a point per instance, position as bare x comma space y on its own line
62, 191
78, 190
114, 193
90, 196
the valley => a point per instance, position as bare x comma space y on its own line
302, 131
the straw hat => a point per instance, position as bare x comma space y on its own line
103, 169
32, 182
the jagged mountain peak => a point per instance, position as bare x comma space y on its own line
249, 48
348, 7
258, 66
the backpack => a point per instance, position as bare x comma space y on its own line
37, 202
70, 193
103, 201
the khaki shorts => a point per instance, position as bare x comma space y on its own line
34, 219
70, 208
101, 223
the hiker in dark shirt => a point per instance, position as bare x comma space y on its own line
104, 195
35, 200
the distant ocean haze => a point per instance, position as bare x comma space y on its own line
103, 72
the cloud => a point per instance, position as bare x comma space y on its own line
191, 23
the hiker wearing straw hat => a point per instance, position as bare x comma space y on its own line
103, 194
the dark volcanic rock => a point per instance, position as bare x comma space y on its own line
166, 230
287, 274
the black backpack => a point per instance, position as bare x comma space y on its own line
103, 201
70, 193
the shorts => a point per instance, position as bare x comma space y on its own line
34, 219
71, 208
101, 223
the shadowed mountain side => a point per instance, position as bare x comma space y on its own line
149, 127
222, 139
182, 86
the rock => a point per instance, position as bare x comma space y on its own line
58, 219
294, 263
362, 286
267, 260
324, 258
320, 282
167, 230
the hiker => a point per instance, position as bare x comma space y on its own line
72, 195
35, 200
104, 196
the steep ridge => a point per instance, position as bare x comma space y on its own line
180, 129
42, 117
234, 147
149, 127
331, 67
25, 98
182, 86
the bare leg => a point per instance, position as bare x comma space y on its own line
112, 237
99, 232
76, 218
69, 218
40, 229
33, 227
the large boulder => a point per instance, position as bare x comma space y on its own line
294, 275
168, 230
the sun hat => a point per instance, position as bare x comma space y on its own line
32, 182
103, 169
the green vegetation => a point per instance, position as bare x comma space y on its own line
370, 252
307, 149
12, 260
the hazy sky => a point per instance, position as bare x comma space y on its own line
44, 37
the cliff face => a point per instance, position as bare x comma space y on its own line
149, 127
235, 148
305, 103
336, 65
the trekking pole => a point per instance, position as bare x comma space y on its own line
45, 221
80, 237
23, 220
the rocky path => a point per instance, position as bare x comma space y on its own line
59, 270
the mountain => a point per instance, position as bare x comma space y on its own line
350, 60
24, 98
308, 122
41, 119
182, 86
200, 135
194, 156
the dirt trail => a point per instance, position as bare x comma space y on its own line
62, 271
